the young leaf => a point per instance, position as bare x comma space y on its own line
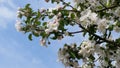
30, 37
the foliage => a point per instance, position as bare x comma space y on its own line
99, 19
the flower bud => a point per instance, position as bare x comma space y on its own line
43, 42
46, 0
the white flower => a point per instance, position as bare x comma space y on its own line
52, 26
88, 17
59, 37
117, 64
116, 55
88, 14
66, 33
42, 10
117, 12
48, 31
51, 9
58, 7
86, 66
99, 50
102, 25
94, 2
79, 1
104, 63
114, 22
87, 48
117, 29
55, 8
85, 14
59, 14
43, 42
18, 26
19, 12
63, 56
75, 64
93, 17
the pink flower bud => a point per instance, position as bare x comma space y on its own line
46, 0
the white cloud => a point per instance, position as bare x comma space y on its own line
8, 2
7, 12
13, 56
2, 23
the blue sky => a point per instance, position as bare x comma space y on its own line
16, 51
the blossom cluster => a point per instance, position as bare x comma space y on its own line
98, 19
86, 50
18, 26
65, 57
52, 26
89, 18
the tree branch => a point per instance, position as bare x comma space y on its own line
105, 40
102, 4
76, 32
71, 10
67, 4
108, 8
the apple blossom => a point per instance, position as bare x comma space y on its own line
52, 26
18, 26
97, 20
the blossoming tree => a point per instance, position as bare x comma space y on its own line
98, 19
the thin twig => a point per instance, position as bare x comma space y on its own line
76, 32
102, 4
107, 8
67, 4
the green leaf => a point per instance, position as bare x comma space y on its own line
109, 34
110, 27
38, 22
43, 18
72, 15
20, 16
27, 5
32, 19
65, 13
30, 37
52, 1
44, 35
92, 28
106, 59
72, 54
92, 57
54, 11
44, 24
49, 42
117, 40
51, 16
84, 33
38, 14
118, 23
53, 38
102, 48
108, 3
91, 37
35, 34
